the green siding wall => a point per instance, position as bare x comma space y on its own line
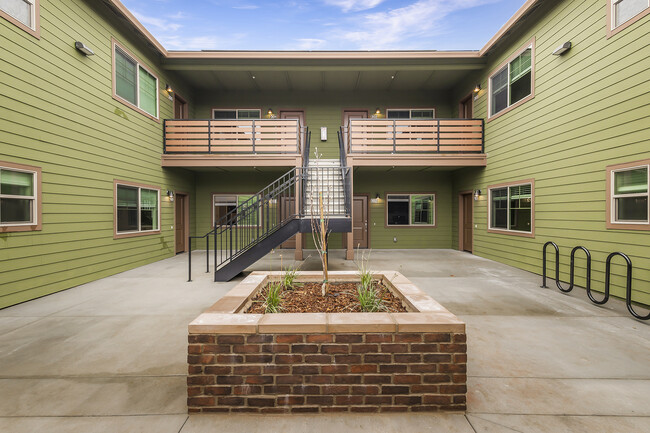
58, 114
384, 181
591, 109
321, 108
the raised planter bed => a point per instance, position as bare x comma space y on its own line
326, 362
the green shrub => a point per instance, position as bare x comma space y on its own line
273, 298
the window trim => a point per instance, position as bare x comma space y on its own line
121, 235
611, 29
36, 19
37, 225
409, 225
115, 44
236, 194
610, 222
410, 109
506, 231
236, 110
524, 47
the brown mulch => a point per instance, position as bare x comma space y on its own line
340, 298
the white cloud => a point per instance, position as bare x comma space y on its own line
246, 7
307, 44
159, 23
354, 5
408, 27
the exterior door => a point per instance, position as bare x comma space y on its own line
467, 222
180, 108
181, 225
351, 114
360, 221
300, 116
465, 108
288, 207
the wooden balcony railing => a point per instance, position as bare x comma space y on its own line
259, 136
365, 136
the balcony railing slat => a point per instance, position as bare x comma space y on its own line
415, 136
233, 136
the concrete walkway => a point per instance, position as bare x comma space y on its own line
110, 356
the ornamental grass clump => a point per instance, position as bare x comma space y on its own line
273, 297
369, 299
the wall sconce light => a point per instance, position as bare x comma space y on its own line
377, 199
170, 194
377, 111
562, 49
169, 89
477, 194
84, 49
477, 88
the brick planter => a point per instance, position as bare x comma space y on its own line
335, 362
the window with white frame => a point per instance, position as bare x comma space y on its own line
18, 197
227, 210
513, 82
137, 209
134, 83
23, 11
511, 207
623, 11
233, 114
410, 209
410, 113
629, 195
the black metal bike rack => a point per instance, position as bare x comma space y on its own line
608, 270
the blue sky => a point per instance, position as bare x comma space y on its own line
323, 24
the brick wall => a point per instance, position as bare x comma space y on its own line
364, 372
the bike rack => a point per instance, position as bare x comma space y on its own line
608, 263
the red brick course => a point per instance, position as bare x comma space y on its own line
300, 373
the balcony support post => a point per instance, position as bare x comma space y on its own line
253, 136
209, 136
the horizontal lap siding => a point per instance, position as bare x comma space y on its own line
591, 109
58, 114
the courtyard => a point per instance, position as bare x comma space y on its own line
111, 355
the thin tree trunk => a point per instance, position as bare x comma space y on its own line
323, 235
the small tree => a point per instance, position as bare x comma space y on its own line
320, 226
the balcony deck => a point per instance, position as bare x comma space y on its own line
404, 142
261, 142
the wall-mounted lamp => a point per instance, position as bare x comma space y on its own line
562, 49
377, 199
84, 49
169, 89
477, 88
170, 194
477, 194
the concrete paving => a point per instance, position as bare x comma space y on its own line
110, 356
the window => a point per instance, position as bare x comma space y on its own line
137, 209
511, 208
411, 113
232, 114
22, 13
19, 197
512, 83
410, 209
627, 191
622, 13
226, 205
134, 84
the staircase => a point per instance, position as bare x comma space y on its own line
276, 213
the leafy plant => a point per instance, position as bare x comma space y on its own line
273, 297
369, 299
288, 278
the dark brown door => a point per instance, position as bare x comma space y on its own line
288, 208
181, 223
360, 221
351, 114
465, 108
180, 108
468, 223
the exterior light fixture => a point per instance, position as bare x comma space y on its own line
392, 77
562, 49
375, 200
84, 49
477, 88
377, 111
270, 112
169, 89
170, 194
477, 194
